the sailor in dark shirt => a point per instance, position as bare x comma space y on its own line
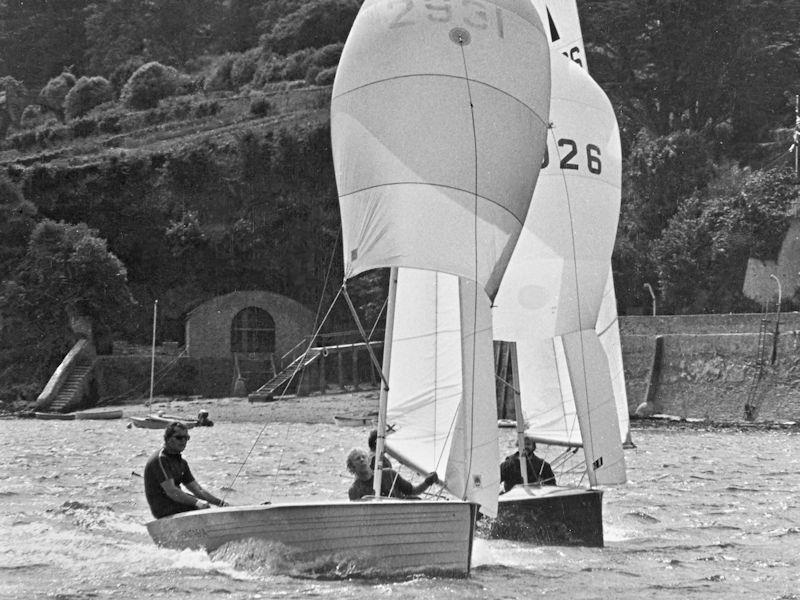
166, 471
372, 442
539, 471
392, 484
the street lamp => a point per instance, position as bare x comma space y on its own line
649, 288
778, 281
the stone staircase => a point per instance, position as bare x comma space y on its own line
279, 384
71, 392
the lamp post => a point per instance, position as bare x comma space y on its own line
778, 281
649, 288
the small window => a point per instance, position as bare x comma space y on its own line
253, 332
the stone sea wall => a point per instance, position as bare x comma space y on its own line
708, 366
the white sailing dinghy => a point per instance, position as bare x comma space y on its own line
436, 117
555, 305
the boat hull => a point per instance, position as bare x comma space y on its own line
353, 421
99, 414
156, 422
54, 416
386, 536
550, 515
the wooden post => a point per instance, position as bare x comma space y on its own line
355, 368
322, 381
340, 368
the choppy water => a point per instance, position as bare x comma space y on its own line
706, 514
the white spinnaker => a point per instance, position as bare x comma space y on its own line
438, 113
561, 19
438, 366
550, 297
437, 117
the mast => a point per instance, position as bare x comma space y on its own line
383, 402
797, 136
153, 354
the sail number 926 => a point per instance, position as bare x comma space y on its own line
570, 152
466, 13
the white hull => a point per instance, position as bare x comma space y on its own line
158, 422
99, 414
386, 536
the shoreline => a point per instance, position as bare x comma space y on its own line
321, 408
312, 409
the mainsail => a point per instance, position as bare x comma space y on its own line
550, 297
438, 113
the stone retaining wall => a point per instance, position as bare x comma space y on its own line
711, 372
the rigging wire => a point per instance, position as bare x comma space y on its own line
298, 368
475, 298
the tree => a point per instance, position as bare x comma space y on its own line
66, 272
315, 24
39, 38
167, 31
702, 254
17, 219
670, 64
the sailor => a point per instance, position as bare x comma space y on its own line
392, 484
203, 420
372, 442
539, 470
166, 471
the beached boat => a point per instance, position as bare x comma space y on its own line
99, 414
553, 304
160, 421
436, 119
351, 421
51, 416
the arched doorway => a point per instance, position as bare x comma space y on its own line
253, 347
253, 332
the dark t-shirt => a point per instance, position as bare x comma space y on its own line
390, 480
539, 471
160, 467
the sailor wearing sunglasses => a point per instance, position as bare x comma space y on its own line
166, 471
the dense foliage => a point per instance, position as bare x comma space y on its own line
704, 94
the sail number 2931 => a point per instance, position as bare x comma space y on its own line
466, 13
570, 156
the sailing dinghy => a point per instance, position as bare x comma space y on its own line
552, 298
436, 118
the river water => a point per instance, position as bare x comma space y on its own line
706, 514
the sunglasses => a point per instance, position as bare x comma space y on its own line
181, 437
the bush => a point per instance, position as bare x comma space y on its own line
206, 109
220, 77
327, 56
260, 106
87, 93
23, 140
244, 67
83, 127
326, 76
150, 83
122, 73
55, 92
32, 116
110, 124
